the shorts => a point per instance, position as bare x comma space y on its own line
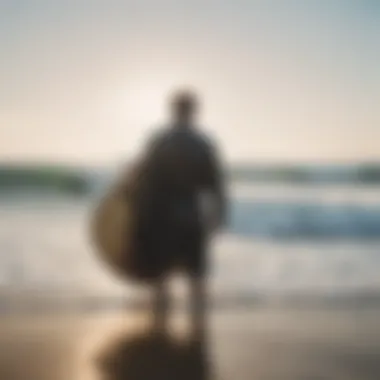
165, 246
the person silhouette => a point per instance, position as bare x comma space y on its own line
181, 167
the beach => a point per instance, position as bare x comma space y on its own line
262, 343
283, 308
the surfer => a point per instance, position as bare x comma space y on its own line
181, 167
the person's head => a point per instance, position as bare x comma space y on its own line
184, 106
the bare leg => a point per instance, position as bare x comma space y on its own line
198, 306
160, 305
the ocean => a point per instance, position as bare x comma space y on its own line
303, 243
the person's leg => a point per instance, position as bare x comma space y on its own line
198, 305
196, 264
160, 305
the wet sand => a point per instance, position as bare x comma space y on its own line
262, 344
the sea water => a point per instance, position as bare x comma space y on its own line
281, 241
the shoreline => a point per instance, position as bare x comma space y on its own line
50, 304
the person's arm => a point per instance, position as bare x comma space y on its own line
216, 185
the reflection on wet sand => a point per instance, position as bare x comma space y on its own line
259, 344
151, 356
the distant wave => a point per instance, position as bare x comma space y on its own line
300, 220
273, 218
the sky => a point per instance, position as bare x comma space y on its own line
84, 81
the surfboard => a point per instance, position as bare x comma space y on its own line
113, 224
112, 227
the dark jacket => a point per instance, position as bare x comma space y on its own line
180, 163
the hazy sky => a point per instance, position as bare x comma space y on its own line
84, 80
